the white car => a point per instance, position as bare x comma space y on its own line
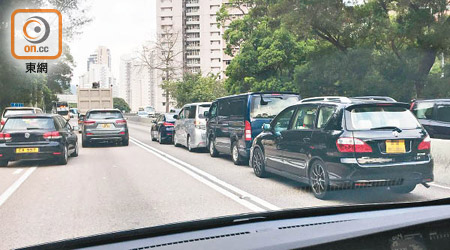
18, 111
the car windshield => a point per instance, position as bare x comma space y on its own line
367, 118
268, 106
104, 115
279, 104
20, 124
10, 112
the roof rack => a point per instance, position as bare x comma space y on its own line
340, 99
375, 98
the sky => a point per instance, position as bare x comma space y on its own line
122, 26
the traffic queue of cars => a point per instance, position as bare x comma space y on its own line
29, 134
329, 143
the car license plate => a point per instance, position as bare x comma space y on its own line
169, 128
395, 146
104, 125
27, 150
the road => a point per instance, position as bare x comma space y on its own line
110, 188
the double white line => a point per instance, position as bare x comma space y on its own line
248, 200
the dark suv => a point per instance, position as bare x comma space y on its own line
234, 121
434, 115
104, 125
356, 143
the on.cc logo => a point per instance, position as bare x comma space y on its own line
36, 29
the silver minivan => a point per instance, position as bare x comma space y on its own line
190, 126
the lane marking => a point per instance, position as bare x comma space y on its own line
439, 186
15, 185
248, 200
18, 171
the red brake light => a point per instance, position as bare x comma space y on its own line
5, 136
89, 122
425, 144
3, 122
52, 135
167, 124
248, 131
350, 145
121, 122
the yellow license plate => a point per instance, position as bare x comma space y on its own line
395, 146
106, 125
27, 150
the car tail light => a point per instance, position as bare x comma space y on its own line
3, 122
121, 122
89, 122
167, 124
5, 137
199, 125
248, 131
52, 135
350, 145
425, 144
122, 133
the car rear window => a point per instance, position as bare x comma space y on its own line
423, 110
63, 112
201, 110
270, 105
443, 113
105, 115
10, 112
41, 123
366, 118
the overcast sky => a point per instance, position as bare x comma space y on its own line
120, 25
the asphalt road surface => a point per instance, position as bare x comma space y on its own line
109, 188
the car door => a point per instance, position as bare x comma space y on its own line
155, 127
211, 123
272, 141
223, 127
189, 124
65, 131
179, 126
442, 121
297, 140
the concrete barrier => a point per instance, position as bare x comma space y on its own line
440, 150
138, 119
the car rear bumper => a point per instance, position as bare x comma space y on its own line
106, 137
46, 151
354, 175
198, 138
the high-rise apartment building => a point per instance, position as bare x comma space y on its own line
99, 70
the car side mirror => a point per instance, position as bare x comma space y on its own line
206, 114
266, 127
175, 117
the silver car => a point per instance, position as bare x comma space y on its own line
190, 126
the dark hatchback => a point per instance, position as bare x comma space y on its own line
336, 145
434, 115
104, 125
234, 121
163, 128
37, 137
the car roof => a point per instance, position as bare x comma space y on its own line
374, 97
259, 93
196, 103
21, 108
106, 110
433, 100
33, 115
347, 102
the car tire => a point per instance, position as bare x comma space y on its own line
64, 158
258, 163
85, 143
125, 142
75, 152
237, 158
212, 148
160, 138
188, 144
319, 180
151, 136
405, 189
3, 163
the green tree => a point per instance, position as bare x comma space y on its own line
197, 88
121, 104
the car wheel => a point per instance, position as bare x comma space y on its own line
151, 135
64, 158
160, 138
258, 163
212, 148
75, 152
318, 179
3, 163
125, 142
237, 158
175, 141
188, 143
402, 189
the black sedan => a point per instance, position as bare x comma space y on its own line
162, 128
37, 137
